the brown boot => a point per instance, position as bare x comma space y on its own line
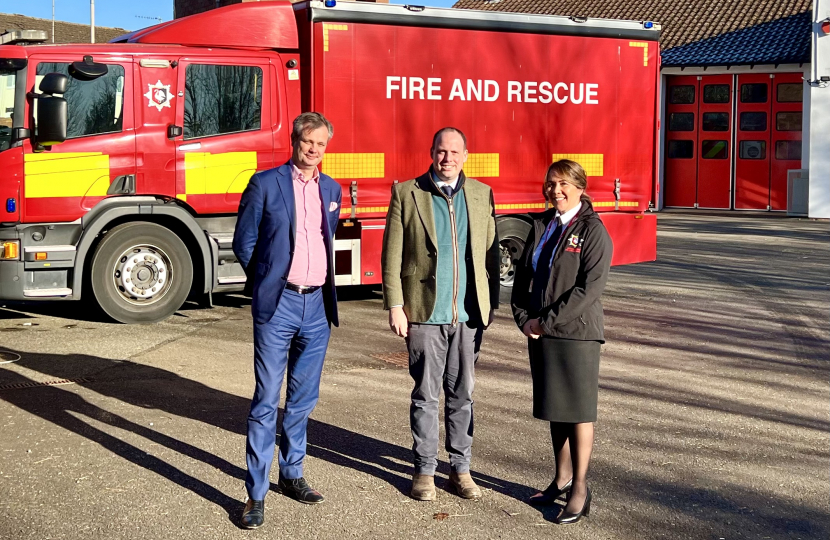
423, 487
464, 485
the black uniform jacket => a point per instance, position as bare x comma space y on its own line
571, 305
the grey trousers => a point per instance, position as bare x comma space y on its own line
442, 355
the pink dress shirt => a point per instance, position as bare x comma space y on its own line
310, 264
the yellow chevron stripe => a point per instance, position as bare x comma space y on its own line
71, 174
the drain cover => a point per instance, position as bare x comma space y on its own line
400, 359
59, 382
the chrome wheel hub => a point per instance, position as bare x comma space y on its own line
142, 274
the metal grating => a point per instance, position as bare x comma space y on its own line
400, 359
59, 382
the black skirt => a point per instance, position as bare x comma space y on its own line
565, 379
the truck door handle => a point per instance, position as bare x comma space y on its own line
190, 146
174, 131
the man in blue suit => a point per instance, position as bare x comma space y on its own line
284, 239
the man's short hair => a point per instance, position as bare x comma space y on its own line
309, 121
447, 130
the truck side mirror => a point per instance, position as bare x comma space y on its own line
53, 83
51, 120
52, 116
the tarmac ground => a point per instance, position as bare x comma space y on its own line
713, 412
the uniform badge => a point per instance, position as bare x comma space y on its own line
159, 95
574, 244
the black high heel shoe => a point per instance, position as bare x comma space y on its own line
551, 493
566, 518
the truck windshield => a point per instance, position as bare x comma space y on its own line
7, 82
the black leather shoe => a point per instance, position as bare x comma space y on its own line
551, 493
566, 518
299, 490
254, 514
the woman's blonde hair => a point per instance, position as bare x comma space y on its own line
569, 171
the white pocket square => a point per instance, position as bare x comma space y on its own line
332, 207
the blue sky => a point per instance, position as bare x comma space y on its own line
122, 13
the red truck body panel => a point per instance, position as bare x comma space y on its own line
494, 94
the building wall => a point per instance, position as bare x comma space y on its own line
819, 153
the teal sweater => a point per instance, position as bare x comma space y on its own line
442, 313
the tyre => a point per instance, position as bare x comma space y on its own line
141, 273
513, 232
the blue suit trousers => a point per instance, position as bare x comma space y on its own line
295, 338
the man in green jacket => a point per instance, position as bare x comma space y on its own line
441, 284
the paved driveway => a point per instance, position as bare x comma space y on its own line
713, 412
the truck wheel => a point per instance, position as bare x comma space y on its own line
512, 235
141, 273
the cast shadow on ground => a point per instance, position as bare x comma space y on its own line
154, 388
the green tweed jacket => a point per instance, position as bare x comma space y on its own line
410, 250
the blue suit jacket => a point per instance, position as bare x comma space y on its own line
265, 233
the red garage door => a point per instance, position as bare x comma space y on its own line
700, 130
698, 141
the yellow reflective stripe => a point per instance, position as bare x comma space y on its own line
518, 206
71, 174
592, 163
326, 28
348, 165
482, 166
644, 46
511, 206
612, 203
217, 174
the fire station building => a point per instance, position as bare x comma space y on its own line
746, 102
745, 93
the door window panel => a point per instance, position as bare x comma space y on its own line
682, 95
682, 122
754, 93
681, 149
714, 150
716, 121
788, 150
788, 121
790, 93
93, 107
716, 93
753, 150
221, 99
753, 121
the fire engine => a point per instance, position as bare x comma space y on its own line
122, 163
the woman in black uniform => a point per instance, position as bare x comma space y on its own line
556, 303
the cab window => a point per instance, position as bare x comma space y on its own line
221, 99
7, 83
93, 107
